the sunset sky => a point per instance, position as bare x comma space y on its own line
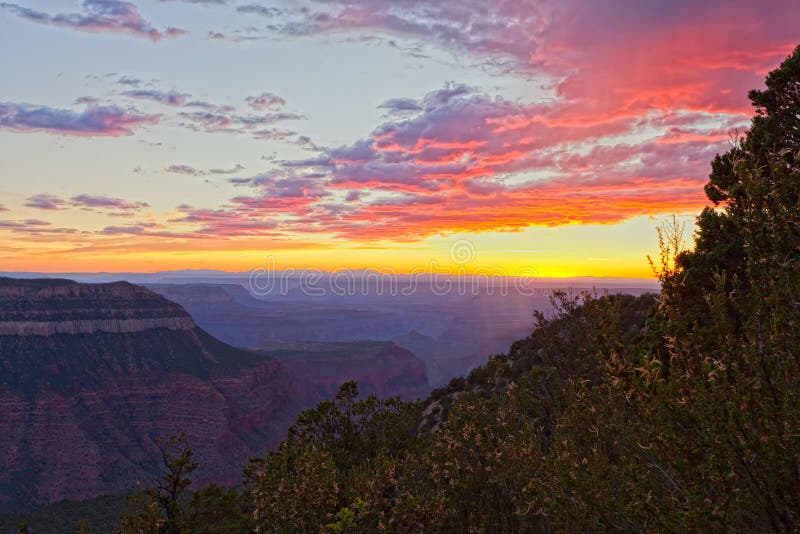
554, 135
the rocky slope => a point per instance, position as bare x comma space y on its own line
90, 376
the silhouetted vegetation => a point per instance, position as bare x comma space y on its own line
100, 514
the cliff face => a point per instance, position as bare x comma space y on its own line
48, 300
92, 375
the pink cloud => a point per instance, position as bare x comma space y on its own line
34, 227
265, 100
45, 202
467, 161
110, 121
102, 202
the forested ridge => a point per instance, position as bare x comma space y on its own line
670, 412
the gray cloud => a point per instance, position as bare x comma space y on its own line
108, 16
169, 98
93, 121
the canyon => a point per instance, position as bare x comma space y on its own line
92, 375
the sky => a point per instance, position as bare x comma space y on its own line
547, 137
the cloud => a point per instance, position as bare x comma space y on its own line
274, 134
227, 120
306, 143
496, 28
610, 57
123, 230
278, 197
264, 101
233, 170
45, 202
254, 9
200, 2
90, 202
184, 169
140, 229
130, 81
192, 171
469, 161
34, 227
638, 98
26, 223
103, 202
143, 229
106, 16
169, 98
95, 120
401, 105
196, 115
211, 107
87, 100
527, 34
220, 223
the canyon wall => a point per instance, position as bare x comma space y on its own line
92, 375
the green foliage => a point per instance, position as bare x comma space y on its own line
323, 466
353, 430
346, 518
720, 249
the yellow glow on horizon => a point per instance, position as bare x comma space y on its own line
614, 251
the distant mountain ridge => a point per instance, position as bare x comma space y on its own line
211, 276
